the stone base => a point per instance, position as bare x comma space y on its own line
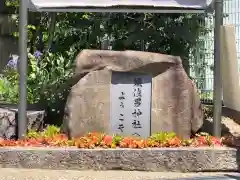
9, 123
159, 160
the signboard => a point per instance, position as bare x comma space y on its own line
130, 110
198, 4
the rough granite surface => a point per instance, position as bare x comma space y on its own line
175, 105
158, 160
8, 122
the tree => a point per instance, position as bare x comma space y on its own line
174, 34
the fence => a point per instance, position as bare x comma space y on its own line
202, 61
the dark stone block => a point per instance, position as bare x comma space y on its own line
8, 122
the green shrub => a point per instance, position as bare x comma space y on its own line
207, 111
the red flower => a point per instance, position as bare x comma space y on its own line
107, 140
175, 142
216, 141
202, 140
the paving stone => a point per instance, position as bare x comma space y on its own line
39, 174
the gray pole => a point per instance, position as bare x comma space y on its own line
22, 117
217, 98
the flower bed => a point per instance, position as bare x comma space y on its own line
97, 151
52, 137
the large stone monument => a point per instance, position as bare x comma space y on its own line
131, 93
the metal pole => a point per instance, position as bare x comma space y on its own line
217, 97
142, 41
22, 117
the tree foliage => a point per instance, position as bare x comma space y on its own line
164, 33
174, 34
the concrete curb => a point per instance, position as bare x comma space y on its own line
155, 159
